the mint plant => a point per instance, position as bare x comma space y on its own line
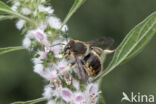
45, 37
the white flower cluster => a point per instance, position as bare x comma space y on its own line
89, 96
65, 87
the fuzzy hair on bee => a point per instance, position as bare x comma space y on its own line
92, 64
86, 55
76, 48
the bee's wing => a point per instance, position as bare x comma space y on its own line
104, 41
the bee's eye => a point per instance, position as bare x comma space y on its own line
68, 47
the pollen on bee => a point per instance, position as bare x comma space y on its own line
62, 54
87, 64
54, 80
91, 68
70, 65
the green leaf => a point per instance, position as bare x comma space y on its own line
5, 9
31, 101
133, 43
73, 9
5, 17
10, 49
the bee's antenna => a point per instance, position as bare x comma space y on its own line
58, 44
66, 36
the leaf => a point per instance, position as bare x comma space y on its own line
10, 49
73, 9
133, 43
5, 9
31, 101
5, 17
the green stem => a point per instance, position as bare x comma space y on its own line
5, 17
19, 16
37, 100
31, 101
10, 49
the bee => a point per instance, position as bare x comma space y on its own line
86, 56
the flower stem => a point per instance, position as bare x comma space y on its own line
31, 101
19, 16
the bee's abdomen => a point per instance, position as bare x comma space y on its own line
93, 63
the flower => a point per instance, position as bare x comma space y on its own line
92, 89
41, 55
66, 94
62, 65
42, 26
79, 98
15, 6
44, 55
50, 73
91, 93
76, 84
54, 22
48, 92
26, 42
57, 48
38, 68
40, 36
65, 28
20, 24
51, 102
26, 11
48, 9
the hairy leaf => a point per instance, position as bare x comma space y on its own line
133, 43
10, 49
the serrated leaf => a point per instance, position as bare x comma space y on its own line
75, 6
31, 101
5, 17
10, 49
133, 43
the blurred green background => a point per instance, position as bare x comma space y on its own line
97, 18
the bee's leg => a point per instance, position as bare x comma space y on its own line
66, 74
97, 50
108, 51
101, 51
68, 67
81, 72
78, 65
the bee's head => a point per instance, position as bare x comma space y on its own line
68, 47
